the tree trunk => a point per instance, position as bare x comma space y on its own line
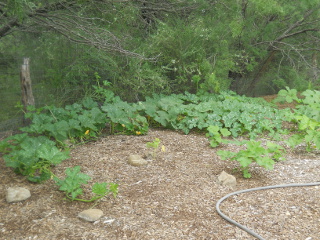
261, 71
315, 70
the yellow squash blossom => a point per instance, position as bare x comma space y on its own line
163, 148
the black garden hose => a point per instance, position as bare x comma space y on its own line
256, 189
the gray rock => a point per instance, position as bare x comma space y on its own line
17, 194
90, 215
226, 179
137, 160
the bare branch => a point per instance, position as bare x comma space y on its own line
76, 28
83, 31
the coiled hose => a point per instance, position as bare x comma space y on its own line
255, 189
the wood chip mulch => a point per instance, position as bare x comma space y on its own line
172, 197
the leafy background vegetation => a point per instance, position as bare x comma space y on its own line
143, 47
185, 65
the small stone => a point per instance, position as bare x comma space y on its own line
109, 221
90, 215
17, 194
137, 160
226, 179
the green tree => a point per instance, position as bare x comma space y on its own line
165, 46
73, 40
280, 35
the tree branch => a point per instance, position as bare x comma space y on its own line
5, 30
299, 32
13, 22
298, 23
77, 29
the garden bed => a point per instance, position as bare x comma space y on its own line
172, 197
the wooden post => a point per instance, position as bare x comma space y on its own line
315, 68
26, 87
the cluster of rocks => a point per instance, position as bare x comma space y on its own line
18, 194
224, 178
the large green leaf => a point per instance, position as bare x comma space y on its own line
72, 183
100, 189
52, 154
59, 130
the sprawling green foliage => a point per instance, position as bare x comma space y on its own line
222, 116
33, 152
263, 156
32, 156
76, 121
72, 183
239, 114
306, 115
